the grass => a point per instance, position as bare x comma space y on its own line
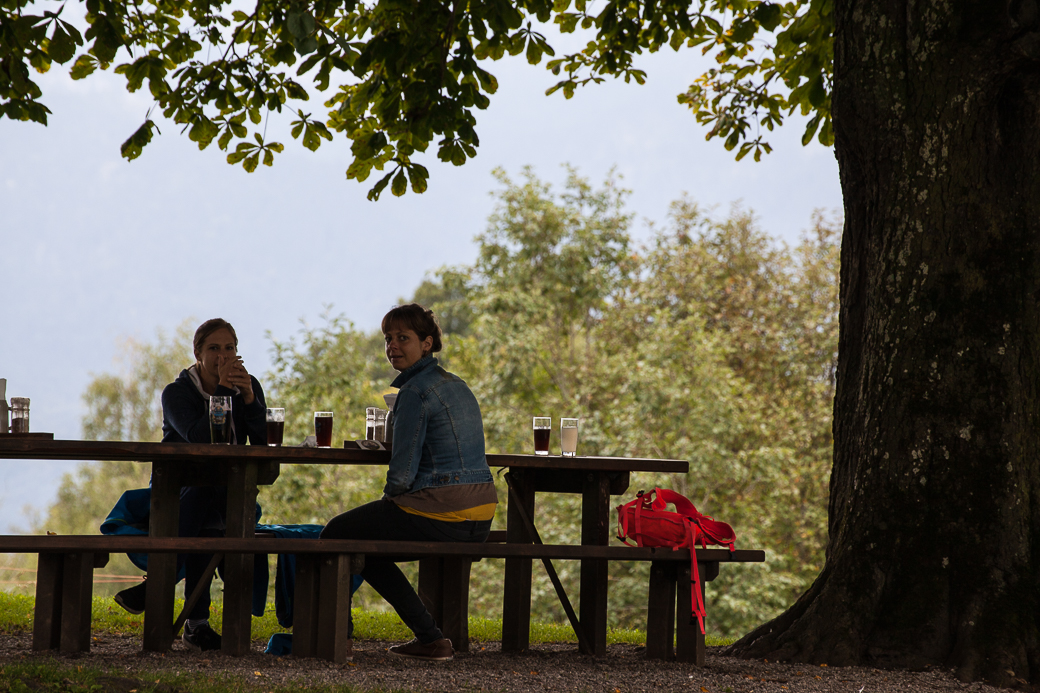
16, 613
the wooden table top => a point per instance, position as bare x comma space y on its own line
42, 449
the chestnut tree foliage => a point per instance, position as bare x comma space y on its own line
397, 76
712, 343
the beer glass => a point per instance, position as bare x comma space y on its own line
542, 429
375, 422
569, 437
323, 429
275, 426
220, 419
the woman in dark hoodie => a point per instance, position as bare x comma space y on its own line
218, 370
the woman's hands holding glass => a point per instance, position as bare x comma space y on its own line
233, 374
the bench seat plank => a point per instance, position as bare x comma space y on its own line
407, 550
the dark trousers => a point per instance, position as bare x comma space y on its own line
203, 514
382, 519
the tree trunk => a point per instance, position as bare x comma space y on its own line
935, 492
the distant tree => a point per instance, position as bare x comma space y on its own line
126, 406
691, 349
713, 344
446, 293
331, 367
120, 406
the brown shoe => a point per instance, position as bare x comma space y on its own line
436, 651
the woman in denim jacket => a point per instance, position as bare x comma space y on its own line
438, 486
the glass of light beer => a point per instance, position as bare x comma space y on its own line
275, 426
220, 419
323, 429
569, 437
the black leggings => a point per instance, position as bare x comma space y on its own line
382, 519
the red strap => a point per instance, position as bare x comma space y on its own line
696, 597
639, 522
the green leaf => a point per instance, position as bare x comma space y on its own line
241, 152
400, 184
378, 188
810, 129
307, 45
85, 64
817, 94
769, 15
418, 175
61, 47
132, 147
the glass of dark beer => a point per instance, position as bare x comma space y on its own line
542, 429
275, 426
220, 419
323, 429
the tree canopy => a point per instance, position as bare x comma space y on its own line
400, 75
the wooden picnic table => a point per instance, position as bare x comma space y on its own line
243, 467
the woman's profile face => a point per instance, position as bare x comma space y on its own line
404, 348
218, 347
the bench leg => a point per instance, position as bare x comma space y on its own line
660, 610
689, 641
669, 602
334, 642
76, 587
321, 611
444, 589
64, 587
47, 615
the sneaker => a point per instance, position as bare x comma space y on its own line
436, 651
202, 639
132, 598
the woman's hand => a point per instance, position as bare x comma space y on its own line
233, 374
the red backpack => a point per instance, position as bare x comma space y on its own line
646, 522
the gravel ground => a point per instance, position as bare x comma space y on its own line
544, 668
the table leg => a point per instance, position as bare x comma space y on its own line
238, 568
595, 530
516, 606
162, 567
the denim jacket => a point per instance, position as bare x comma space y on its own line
438, 432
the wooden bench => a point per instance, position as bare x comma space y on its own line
322, 598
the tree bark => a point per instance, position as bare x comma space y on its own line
935, 491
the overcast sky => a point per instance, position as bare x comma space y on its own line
94, 248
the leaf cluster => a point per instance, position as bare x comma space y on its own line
402, 75
30, 42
